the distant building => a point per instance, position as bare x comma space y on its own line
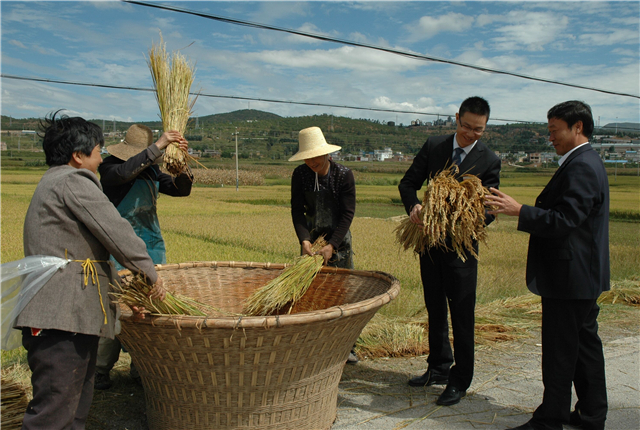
211, 153
382, 154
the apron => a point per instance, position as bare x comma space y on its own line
139, 208
322, 214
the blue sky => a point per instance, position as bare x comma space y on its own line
593, 44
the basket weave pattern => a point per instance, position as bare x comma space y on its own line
275, 372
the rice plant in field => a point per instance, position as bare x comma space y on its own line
227, 177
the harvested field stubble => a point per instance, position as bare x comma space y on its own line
227, 177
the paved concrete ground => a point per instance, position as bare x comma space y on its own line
507, 387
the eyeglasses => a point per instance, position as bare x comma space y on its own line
476, 131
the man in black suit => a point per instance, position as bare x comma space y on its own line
568, 265
446, 279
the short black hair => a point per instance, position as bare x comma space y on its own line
475, 105
573, 111
62, 136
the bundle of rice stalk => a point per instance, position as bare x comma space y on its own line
289, 286
135, 292
172, 79
14, 403
410, 235
452, 215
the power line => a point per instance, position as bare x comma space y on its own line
375, 47
118, 87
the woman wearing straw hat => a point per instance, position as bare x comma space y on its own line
323, 202
323, 199
132, 180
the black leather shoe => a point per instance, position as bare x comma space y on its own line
429, 378
450, 396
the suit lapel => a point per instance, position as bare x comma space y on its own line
560, 169
471, 158
442, 154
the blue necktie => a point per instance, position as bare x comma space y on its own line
457, 156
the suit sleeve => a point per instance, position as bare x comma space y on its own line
347, 209
298, 207
414, 179
579, 195
91, 207
491, 180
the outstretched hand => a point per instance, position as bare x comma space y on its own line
502, 203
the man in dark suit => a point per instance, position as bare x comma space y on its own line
568, 265
446, 279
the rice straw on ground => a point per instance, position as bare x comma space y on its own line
14, 403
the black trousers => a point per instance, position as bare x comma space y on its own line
450, 286
571, 354
63, 367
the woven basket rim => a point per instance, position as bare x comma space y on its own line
240, 322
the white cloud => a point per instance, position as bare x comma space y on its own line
343, 58
616, 36
529, 30
17, 43
429, 26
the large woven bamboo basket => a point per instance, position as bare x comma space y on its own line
232, 372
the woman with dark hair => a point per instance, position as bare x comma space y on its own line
70, 218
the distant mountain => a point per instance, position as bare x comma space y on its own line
623, 126
239, 115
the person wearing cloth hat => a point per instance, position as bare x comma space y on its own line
323, 201
131, 179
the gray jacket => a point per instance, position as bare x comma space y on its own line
70, 212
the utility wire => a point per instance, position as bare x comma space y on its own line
118, 87
375, 47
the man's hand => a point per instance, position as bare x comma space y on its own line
158, 291
172, 136
415, 214
504, 203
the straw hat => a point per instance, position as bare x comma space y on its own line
137, 139
312, 144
